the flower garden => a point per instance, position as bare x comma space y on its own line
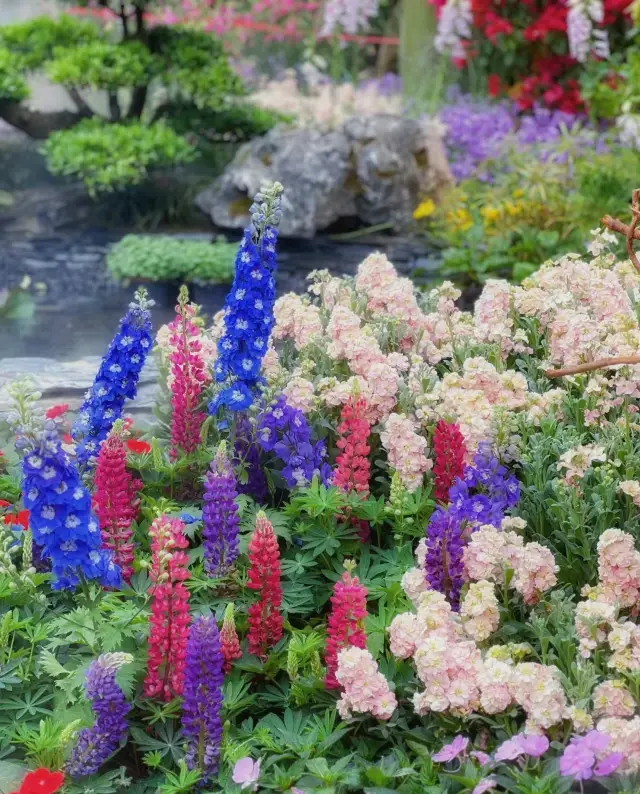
371, 542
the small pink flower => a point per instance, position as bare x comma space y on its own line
246, 773
482, 758
609, 764
508, 750
485, 785
452, 750
522, 744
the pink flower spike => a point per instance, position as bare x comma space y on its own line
534, 745
452, 750
485, 785
482, 758
246, 773
609, 764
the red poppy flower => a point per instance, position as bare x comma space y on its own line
67, 438
41, 781
138, 447
57, 410
21, 518
4, 503
494, 84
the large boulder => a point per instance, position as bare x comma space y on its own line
374, 169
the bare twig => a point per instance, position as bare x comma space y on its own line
631, 232
601, 363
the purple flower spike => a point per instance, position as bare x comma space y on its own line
203, 679
220, 518
96, 744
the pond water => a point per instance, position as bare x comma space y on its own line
78, 311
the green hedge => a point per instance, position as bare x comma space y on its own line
33, 42
161, 258
101, 64
13, 86
108, 157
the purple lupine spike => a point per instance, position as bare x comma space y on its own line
443, 560
247, 453
220, 518
95, 744
203, 678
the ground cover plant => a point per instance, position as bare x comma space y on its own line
372, 543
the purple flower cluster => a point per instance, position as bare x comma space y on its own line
64, 528
247, 456
94, 745
483, 494
203, 679
284, 431
116, 381
220, 518
579, 758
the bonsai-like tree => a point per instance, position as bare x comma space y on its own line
161, 83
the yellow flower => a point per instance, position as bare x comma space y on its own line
513, 209
424, 210
460, 219
490, 214
518, 193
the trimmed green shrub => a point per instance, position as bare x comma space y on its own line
161, 258
33, 42
108, 157
13, 86
238, 121
103, 65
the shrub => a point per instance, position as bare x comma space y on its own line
103, 65
13, 86
108, 157
167, 259
32, 43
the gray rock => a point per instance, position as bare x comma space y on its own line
374, 168
67, 382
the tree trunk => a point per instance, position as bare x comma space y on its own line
114, 106
36, 123
138, 100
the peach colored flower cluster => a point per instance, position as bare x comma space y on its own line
479, 611
366, 690
493, 314
576, 461
593, 621
406, 450
490, 552
631, 488
625, 739
618, 569
613, 699
297, 319
299, 392
414, 581
388, 295
538, 690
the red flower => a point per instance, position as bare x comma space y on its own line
346, 623
494, 26
264, 617
67, 438
138, 447
21, 518
41, 781
450, 449
494, 85
57, 410
352, 465
4, 503
552, 20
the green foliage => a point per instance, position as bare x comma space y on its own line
13, 86
32, 43
108, 157
101, 64
167, 259
234, 121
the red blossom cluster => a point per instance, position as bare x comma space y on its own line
450, 451
189, 375
21, 518
345, 625
40, 781
169, 609
264, 617
352, 465
229, 641
115, 500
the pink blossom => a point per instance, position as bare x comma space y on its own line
246, 773
485, 785
451, 750
482, 758
609, 764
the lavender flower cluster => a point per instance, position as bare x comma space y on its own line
95, 744
482, 496
203, 679
63, 526
284, 431
220, 518
116, 381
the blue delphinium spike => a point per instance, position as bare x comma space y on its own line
248, 310
116, 381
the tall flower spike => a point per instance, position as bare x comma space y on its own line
264, 617
229, 639
247, 455
248, 311
94, 745
63, 526
220, 517
117, 379
201, 722
353, 469
345, 626
115, 499
169, 609
188, 378
450, 451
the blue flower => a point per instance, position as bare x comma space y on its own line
116, 381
